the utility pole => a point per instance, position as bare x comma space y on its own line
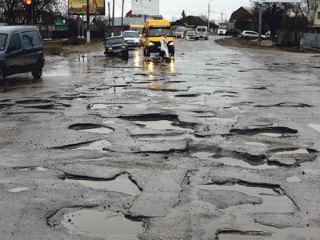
260, 21
88, 21
109, 12
113, 11
209, 11
122, 12
222, 17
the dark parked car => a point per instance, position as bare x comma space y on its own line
116, 46
21, 51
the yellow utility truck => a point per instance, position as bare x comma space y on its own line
152, 32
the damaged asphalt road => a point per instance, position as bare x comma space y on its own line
220, 144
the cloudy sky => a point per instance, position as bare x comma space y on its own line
196, 7
173, 8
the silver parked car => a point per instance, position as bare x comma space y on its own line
132, 39
249, 34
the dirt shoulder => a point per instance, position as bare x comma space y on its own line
65, 48
267, 45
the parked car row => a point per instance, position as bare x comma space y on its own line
201, 32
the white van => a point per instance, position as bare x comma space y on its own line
202, 32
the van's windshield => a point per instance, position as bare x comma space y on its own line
159, 31
3, 40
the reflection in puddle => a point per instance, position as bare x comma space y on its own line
96, 146
104, 225
120, 184
298, 151
203, 155
160, 125
17, 190
273, 135
315, 127
244, 164
102, 130
39, 169
272, 201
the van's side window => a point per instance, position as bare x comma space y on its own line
31, 39
15, 43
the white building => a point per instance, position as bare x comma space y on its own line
145, 7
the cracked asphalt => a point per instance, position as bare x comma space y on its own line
223, 143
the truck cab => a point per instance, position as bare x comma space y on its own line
152, 32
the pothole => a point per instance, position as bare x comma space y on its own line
273, 201
264, 130
95, 146
159, 125
240, 163
101, 224
92, 128
121, 183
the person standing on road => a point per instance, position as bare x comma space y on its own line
164, 46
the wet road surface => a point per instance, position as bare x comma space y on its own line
222, 144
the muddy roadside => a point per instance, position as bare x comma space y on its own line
66, 48
266, 45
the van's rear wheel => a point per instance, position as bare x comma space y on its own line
37, 72
2, 75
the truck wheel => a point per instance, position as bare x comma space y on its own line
125, 54
37, 72
2, 75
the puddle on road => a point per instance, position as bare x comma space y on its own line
101, 224
240, 163
293, 152
272, 201
95, 146
203, 155
160, 125
39, 169
231, 161
315, 127
120, 184
272, 135
92, 128
17, 190
103, 130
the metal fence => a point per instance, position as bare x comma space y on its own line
311, 40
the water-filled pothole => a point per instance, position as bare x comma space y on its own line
95, 146
121, 183
273, 201
160, 125
238, 162
231, 161
101, 224
92, 128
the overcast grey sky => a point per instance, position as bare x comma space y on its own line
173, 8
196, 7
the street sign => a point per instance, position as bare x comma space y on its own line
79, 7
